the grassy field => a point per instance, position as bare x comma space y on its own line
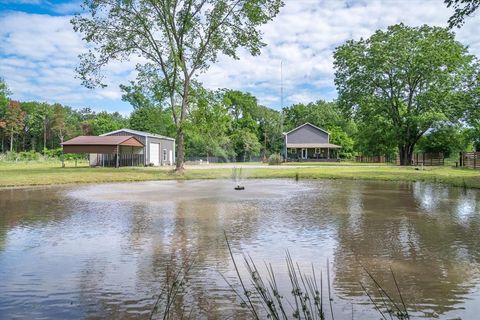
49, 173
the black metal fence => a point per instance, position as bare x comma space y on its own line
124, 160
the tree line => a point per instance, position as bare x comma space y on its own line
227, 124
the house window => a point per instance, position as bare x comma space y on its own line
317, 150
164, 155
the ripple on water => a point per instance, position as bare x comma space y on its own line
104, 251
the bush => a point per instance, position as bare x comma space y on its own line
275, 159
53, 153
21, 156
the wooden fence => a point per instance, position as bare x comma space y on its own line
470, 160
428, 159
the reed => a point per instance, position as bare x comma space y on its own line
172, 293
306, 297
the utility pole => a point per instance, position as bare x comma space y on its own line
281, 84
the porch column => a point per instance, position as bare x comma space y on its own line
328, 153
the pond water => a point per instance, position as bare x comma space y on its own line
103, 251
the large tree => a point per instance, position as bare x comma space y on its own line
4, 93
413, 77
14, 120
462, 9
176, 40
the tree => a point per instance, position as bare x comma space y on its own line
413, 77
271, 128
446, 138
463, 9
208, 126
4, 93
244, 131
148, 113
247, 142
14, 117
59, 122
104, 122
375, 137
177, 39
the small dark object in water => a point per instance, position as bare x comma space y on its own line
239, 187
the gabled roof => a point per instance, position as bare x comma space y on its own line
306, 124
139, 133
103, 141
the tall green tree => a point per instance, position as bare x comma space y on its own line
104, 122
59, 124
414, 77
4, 93
446, 138
208, 126
462, 9
244, 130
149, 108
177, 39
14, 120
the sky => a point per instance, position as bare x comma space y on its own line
39, 50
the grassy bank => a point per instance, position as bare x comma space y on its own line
49, 173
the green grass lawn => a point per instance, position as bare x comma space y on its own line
50, 172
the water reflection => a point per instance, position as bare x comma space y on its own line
103, 251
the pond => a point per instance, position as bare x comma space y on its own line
103, 251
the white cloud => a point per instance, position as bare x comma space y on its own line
38, 57
38, 53
304, 36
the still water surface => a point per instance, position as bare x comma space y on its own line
101, 251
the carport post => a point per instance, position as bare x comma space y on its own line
116, 157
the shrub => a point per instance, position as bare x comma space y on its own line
53, 153
21, 156
275, 159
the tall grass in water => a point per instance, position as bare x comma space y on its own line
173, 292
262, 297
306, 299
388, 306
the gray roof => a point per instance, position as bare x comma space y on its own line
140, 133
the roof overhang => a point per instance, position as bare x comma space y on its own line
99, 144
313, 145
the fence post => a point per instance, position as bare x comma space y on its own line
475, 160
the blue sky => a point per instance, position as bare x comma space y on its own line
38, 50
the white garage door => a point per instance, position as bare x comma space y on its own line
155, 153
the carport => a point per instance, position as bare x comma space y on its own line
108, 151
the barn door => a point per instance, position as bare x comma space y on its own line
154, 154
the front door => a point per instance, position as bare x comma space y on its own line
304, 153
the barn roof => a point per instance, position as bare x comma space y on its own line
103, 141
139, 133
